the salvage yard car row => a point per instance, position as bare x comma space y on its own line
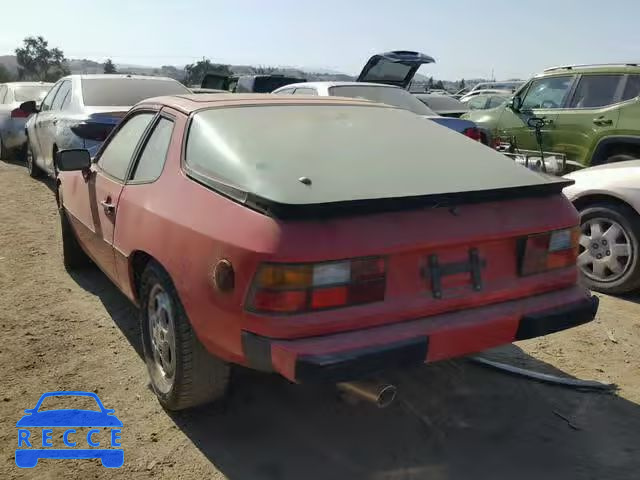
262, 230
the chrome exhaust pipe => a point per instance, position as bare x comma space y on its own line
380, 394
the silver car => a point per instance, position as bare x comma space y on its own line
81, 110
608, 199
12, 119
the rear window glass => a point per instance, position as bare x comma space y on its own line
596, 91
126, 91
37, 93
393, 96
348, 152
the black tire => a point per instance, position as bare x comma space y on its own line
198, 377
4, 153
32, 168
73, 257
629, 220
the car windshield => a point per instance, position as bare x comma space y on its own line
393, 96
349, 152
127, 91
30, 92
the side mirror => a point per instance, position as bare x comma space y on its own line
73, 160
516, 103
29, 107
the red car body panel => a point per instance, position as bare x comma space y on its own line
188, 228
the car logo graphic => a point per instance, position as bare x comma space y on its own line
40, 422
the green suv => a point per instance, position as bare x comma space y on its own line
591, 114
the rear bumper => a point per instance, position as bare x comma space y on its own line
351, 355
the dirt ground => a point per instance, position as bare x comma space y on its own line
453, 420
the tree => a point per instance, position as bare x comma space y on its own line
109, 67
439, 85
195, 72
38, 62
430, 83
461, 84
5, 74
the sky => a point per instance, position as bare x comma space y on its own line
468, 38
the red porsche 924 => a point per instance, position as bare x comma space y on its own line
324, 239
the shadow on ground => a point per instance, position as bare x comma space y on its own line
452, 420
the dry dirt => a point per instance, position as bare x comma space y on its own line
454, 420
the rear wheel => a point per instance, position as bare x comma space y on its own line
73, 257
609, 248
183, 374
32, 168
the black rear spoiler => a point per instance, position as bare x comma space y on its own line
285, 211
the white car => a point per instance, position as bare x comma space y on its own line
608, 199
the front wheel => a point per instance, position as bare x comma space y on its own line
183, 374
32, 168
609, 248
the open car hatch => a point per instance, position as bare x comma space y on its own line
393, 68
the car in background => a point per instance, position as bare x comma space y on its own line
202, 91
510, 86
608, 200
300, 274
443, 104
81, 110
588, 113
388, 94
12, 120
248, 83
475, 93
487, 100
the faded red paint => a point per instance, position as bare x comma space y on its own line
187, 228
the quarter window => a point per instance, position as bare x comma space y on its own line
550, 92
632, 89
154, 153
286, 91
596, 91
117, 155
3, 94
305, 91
48, 100
63, 93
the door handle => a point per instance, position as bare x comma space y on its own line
601, 122
109, 208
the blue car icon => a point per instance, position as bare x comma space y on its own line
68, 418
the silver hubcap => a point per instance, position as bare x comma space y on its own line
605, 250
162, 336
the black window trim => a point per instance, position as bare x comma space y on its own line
145, 140
136, 150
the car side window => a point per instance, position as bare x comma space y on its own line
154, 153
286, 91
596, 91
118, 154
3, 94
632, 88
305, 91
496, 102
63, 92
48, 100
476, 103
549, 92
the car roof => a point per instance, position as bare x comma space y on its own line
103, 76
329, 84
27, 84
191, 103
595, 68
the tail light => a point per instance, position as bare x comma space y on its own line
473, 133
549, 251
92, 130
297, 288
17, 113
